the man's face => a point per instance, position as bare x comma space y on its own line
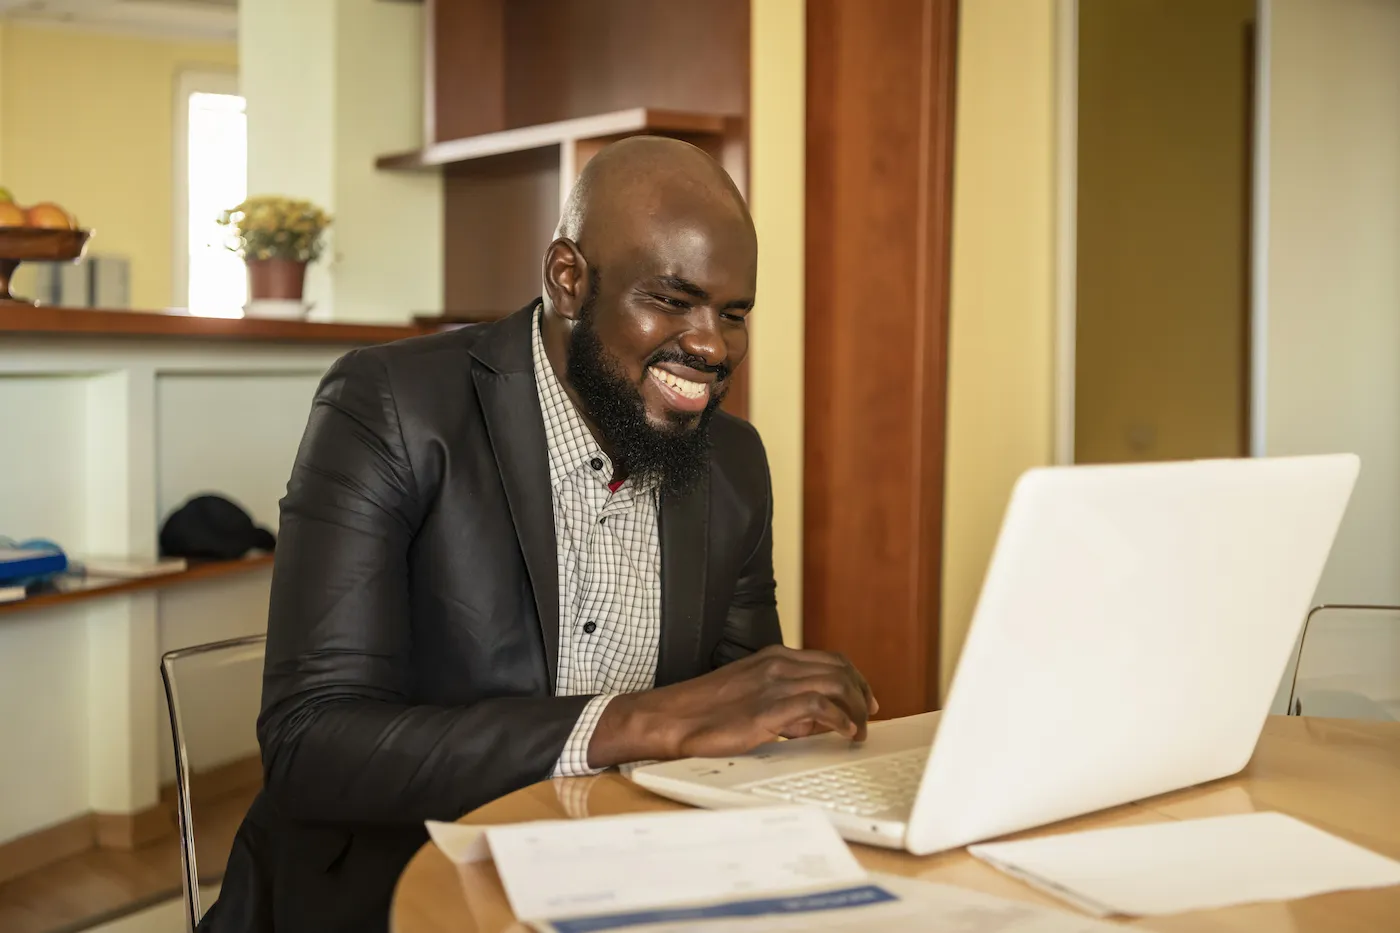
655, 346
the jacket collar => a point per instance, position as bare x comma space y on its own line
504, 345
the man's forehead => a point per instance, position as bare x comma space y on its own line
713, 259
677, 230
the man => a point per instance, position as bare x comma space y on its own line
526, 549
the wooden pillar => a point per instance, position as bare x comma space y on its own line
880, 94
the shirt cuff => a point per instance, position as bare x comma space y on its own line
573, 761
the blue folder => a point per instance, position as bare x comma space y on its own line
28, 563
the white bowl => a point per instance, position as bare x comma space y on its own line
285, 309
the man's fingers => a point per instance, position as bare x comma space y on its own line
871, 703
813, 656
792, 665
820, 709
835, 688
808, 664
833, 659
803, 729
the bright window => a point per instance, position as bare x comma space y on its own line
213, 178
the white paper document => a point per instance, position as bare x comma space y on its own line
562, 868
724, 871
1187, 865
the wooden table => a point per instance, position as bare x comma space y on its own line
1342, 776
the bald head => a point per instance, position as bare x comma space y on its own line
643, 176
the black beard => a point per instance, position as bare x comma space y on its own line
675, 457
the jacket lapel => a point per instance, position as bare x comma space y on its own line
511, 405
685, 539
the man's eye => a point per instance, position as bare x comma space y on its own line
735, 317
671, 302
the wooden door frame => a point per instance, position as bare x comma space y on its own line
880, 119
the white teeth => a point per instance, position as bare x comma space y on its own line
683, 386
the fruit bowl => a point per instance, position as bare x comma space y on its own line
35, 244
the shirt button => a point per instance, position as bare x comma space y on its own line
596, 463
590, 627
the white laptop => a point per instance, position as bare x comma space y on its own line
1132, 630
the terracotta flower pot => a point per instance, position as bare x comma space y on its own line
276, 279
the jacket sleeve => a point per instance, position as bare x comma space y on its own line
342, 737
752, 621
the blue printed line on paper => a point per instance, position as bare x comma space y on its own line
844, 899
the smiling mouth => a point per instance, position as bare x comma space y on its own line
684, 386
684, 394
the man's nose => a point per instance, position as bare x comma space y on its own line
702, 338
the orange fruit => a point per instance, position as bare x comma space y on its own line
48, 215
11, 215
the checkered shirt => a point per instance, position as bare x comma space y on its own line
609, 555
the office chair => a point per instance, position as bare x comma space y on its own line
213, 693
1348, 664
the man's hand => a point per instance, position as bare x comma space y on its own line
776, 692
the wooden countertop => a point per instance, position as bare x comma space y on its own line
93, 322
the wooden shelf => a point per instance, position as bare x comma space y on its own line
544, 135
435, 322
78, 589
93, 322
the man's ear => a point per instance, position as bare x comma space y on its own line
565, 277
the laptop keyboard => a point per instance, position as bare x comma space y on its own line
863, 788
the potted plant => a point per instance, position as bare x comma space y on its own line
276, 236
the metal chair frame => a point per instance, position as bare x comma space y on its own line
189, 875
1295, 707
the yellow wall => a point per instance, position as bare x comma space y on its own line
385, 220
88, 122
287, 55
777, 192
1001, 339
1162, 219
3, 32
1331, 328
317, 119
